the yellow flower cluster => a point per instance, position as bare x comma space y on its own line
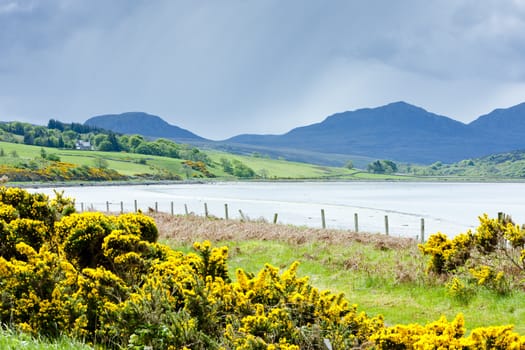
7, 212
445, 254
442, 334
59, 171
496, 242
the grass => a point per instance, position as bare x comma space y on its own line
282, 169
382, 275
12, 340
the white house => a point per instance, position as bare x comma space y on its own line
83, 145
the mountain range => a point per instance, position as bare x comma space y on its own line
398, 131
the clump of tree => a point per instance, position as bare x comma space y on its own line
237, 168
49, 156
56, 134
382, 167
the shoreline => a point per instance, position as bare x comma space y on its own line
211, 181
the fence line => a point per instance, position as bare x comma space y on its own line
120, 207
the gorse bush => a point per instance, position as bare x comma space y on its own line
492, 257
57, 171
106, 281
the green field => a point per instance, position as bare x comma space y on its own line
131, 164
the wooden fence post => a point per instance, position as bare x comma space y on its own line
121, 207
156, 207
386, 225
323, 221
242, 215
356, 222
107, 206
422, 230
186, 209
82, 207
171, 209
206, 209
226, 211
135, 205
275, 218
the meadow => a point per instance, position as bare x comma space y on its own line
137, 165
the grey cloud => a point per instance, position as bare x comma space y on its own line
262, 65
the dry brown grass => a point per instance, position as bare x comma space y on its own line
190, 228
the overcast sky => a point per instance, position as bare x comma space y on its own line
222, 68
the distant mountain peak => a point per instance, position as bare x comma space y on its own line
143, 124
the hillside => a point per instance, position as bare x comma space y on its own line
499, 165
504, 127
21, 162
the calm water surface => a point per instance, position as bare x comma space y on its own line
447, 207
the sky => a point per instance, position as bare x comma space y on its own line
220, 68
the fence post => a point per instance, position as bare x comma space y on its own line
422, 230
386, 225
323, 221
121, 207
171, 204
107, 206
135, 205
82, 207
356, 222
156, 207
186, 209
206, 209
226, 211
242, 215
275, 218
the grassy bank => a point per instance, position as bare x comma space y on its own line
382, 275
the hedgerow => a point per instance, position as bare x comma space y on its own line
105, 280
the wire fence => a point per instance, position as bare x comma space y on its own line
412, 228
